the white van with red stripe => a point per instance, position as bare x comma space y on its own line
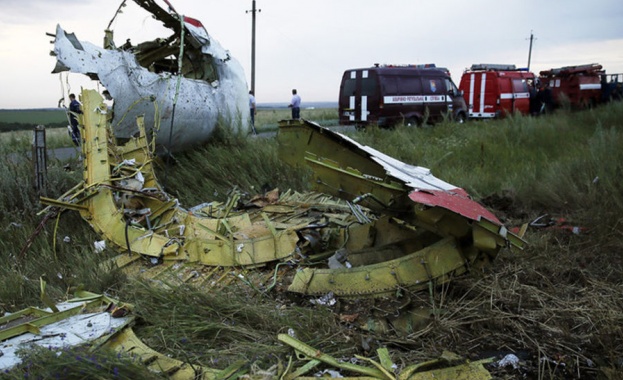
493, 91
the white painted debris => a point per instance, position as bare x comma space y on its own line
100, 246
69, 332
327, 300
509, 359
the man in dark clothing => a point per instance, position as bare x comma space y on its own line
252, 111
535, 106
74, 110
547, 98
544, 99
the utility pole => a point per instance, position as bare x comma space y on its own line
530, 49
253, 11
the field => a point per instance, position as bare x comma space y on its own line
14, 120
556, 305
11, 120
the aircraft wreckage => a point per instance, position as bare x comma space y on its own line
394, 226
183, 84
374, 228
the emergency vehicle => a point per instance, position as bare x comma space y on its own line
387, 95
494, 90
580, 85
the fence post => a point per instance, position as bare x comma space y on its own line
39, 154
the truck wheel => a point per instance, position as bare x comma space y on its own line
460, 118
412, 122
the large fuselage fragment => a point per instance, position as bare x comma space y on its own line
183, 111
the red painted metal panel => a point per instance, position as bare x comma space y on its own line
456, 201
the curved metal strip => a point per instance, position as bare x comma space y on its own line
436, 263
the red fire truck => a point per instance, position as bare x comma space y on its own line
580, 85
493, 90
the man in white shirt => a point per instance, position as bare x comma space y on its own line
295, 104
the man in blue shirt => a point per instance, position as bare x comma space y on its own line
74, 110
295, 104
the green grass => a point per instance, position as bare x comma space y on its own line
267, 120
560, 298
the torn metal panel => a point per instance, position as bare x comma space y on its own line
461, 232
360, 174
388, 181
143, 80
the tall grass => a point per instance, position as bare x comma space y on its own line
560, 163
60, 250
233, 161
21, 141
217, 329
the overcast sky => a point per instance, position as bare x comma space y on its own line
307, 44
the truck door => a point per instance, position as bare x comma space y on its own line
367, 103
436, 94
479, 94
357, 98
521, 96
506, 95
456, 104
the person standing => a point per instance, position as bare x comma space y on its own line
74, 111
252, 111
295, 104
